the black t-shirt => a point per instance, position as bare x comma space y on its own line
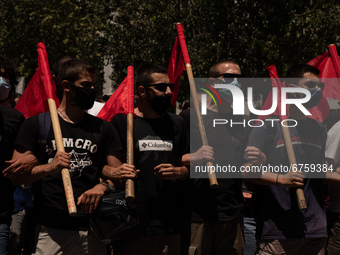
225, 202
277, 213
10, 121
156, 141
87, 159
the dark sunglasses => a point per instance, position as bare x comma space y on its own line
162, 86
229, 77
313, 84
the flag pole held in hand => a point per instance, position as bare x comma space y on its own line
129, 185
286, 135
121, 101
45, 76
179, 58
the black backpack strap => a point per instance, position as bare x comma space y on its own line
97, 130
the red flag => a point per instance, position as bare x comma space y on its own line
276, 83
179, 57
34, 99
319, 112
329, 65
121, 101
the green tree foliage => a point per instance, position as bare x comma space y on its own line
256, 34
66, 27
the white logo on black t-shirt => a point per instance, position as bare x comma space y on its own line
155, 145
78, 162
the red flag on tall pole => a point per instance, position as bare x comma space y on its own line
34, 99
285, 131
319, 112
40, 97
121, 101
329, 65
179, 57
276, 83
184, 52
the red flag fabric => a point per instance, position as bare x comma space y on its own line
182, 42
179, 57
275, 81
329, 65
121, 101
34, 99
319, 112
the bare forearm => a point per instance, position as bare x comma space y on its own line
60, 161
37, 173
290, 179
203, 154
184, 172
262, 179
186, 159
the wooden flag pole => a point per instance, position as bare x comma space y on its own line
72, 209
335, 59
129, 185
186, 60
212, 176
292, 160
288, 144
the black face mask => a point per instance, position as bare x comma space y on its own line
315, 99
84, 97
160, 104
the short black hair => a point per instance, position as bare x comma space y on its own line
297, 71
145, 71
212, 70
70, 70
56, 67
59, 62
10, 69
